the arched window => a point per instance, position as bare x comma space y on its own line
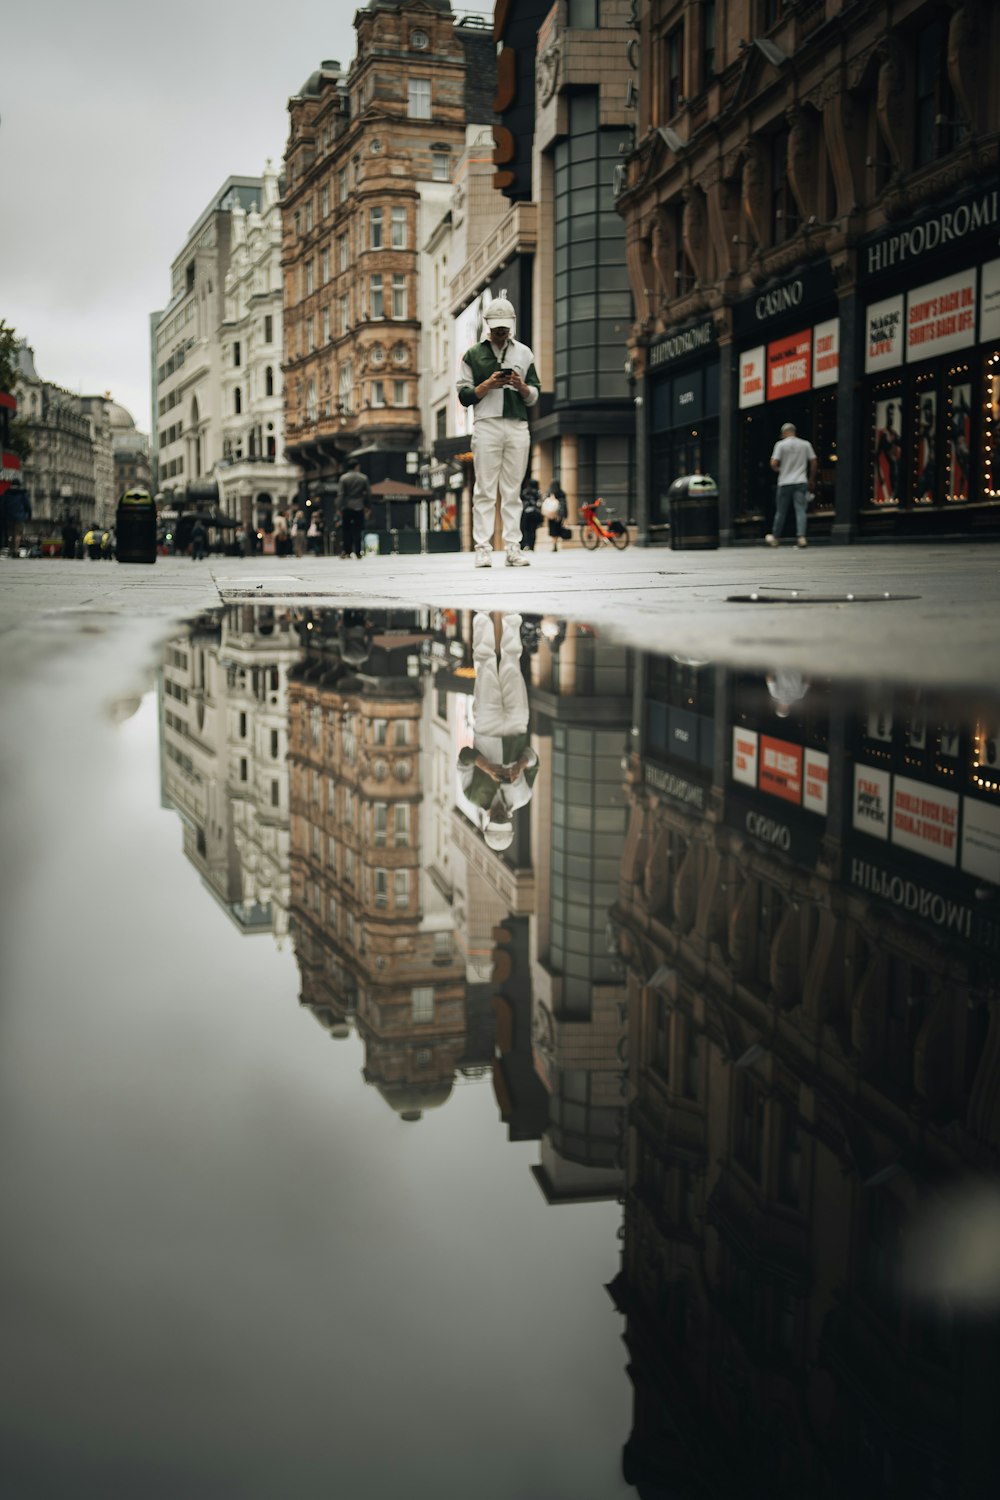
269, 381
237, 401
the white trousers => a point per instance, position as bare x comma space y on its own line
500, 696
501, 447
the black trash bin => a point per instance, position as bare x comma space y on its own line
135, 527
694, 513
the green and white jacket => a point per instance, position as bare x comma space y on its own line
481, 360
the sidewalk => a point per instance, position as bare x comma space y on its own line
941, 624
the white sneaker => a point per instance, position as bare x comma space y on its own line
516, 558
801, 542
771, 539
484, 557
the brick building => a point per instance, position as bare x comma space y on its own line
811, 213
367, 174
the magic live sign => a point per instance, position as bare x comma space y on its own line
516, 24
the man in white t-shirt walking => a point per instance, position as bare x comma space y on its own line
794, 462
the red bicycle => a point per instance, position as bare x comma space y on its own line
593, 534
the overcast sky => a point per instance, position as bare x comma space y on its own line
119, 120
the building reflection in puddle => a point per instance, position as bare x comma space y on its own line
727, 943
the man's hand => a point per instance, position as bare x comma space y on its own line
517, 384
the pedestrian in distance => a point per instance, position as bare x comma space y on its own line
794, 462
499, 381
300, 529
554, 512
199, 541
92, 542
355, 495
531, 513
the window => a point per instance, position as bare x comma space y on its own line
401, 822
692, 1060
707, 42
399, 296
309, 215
345, 316
324, 201
312, 403
376, 295
381, 888
269, 381
442, 945
441, 422
349, 928
346, 390
422, 1003
675, 70
418, 99
343, 253
784, 211
349, 866
380, 731
401, 888
934, 100
440, 166
236, 353
326, 325
584, 13
324, 266
749, 1124
274, 744
772, 12
790, 1166
342, 185
310, 277
380, 823
237, 401
399, 393
243, 768
375, 228
378, 393
399, 227
661, 1036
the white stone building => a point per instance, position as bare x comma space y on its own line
255, 480
186, 350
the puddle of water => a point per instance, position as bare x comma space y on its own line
394, 982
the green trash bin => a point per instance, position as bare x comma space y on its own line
135, 527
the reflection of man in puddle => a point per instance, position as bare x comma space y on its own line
786, 687
497, 771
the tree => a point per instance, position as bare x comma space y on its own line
17, 435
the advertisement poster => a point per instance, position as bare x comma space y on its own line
789, 365
941, 316
989, 302
871, 801
925, 472
888, 477
925, 820
816, 781
884, 324
752, 377
826, 352
959, 441
745, 756
981, 840
781, 769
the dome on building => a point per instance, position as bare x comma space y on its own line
328, 68
119, 419
409, 1100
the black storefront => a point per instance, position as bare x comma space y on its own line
683, 414
786, 341
929, 300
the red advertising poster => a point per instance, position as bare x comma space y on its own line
941, 316
781, 769
745, 756
816, 774
752, 377
925, 819
826, 352
10, 470
789, 365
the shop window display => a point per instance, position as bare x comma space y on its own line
991, 427
887, 443
959, 434
924, 461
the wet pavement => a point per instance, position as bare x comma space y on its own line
460, 1052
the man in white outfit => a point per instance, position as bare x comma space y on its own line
497, 772
499, 380
794, 462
